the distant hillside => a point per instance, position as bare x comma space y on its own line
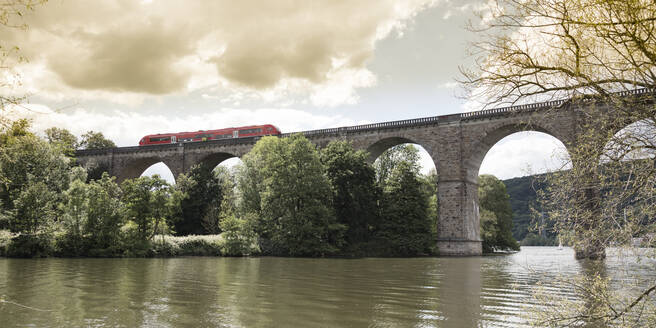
523, 197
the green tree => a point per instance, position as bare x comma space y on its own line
95, 140
355, 193
145, 200
15, 129
62, 139
389, 159
29, 162
203, 195
496, 214
34, 208
294, 214
223, 206
405, 227
75, 214
106, 215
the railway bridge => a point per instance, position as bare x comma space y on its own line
457, 143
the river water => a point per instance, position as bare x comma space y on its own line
489, 291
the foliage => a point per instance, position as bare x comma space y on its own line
5, 240
147, 204
94, 140
62, 139
29, 160
75, 216
496, 214
355, 193
203, 195
389, 159
34, 175
532, 239
192, 245
16, 129
405, 227
238, 236
294, 216
105, 217
523, 192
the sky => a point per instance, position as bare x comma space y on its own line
132, 68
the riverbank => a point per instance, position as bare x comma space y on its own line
25, 246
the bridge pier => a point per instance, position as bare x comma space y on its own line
458, 231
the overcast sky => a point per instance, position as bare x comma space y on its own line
131, 68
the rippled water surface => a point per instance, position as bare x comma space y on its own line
485, 291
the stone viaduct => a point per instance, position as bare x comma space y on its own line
457, 144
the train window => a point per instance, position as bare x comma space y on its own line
222, 136
198, 136
249, 131
158, 139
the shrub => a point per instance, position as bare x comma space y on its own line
5, 241
30, 245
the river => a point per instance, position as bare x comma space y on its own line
488, 291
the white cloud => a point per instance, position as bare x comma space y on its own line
127, 128
522, 154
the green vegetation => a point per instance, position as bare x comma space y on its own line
355, 193
531, 225
203, 195
290, 198
404, 227
287, 199
496, 214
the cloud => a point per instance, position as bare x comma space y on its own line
111, 49
524, 153
127, 128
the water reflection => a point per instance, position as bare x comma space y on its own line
282, 292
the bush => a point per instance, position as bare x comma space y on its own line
5, 241
30, 245
205, 245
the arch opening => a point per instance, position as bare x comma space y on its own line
636, 141
515, 159
411, 201
380, 146
161, 169
137, 167
524, 153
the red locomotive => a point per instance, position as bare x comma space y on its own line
205, 135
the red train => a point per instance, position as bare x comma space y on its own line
205, 135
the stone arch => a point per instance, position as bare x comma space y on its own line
134, 169
481, 147
161, 169
640, 131
380, 146
214, 159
